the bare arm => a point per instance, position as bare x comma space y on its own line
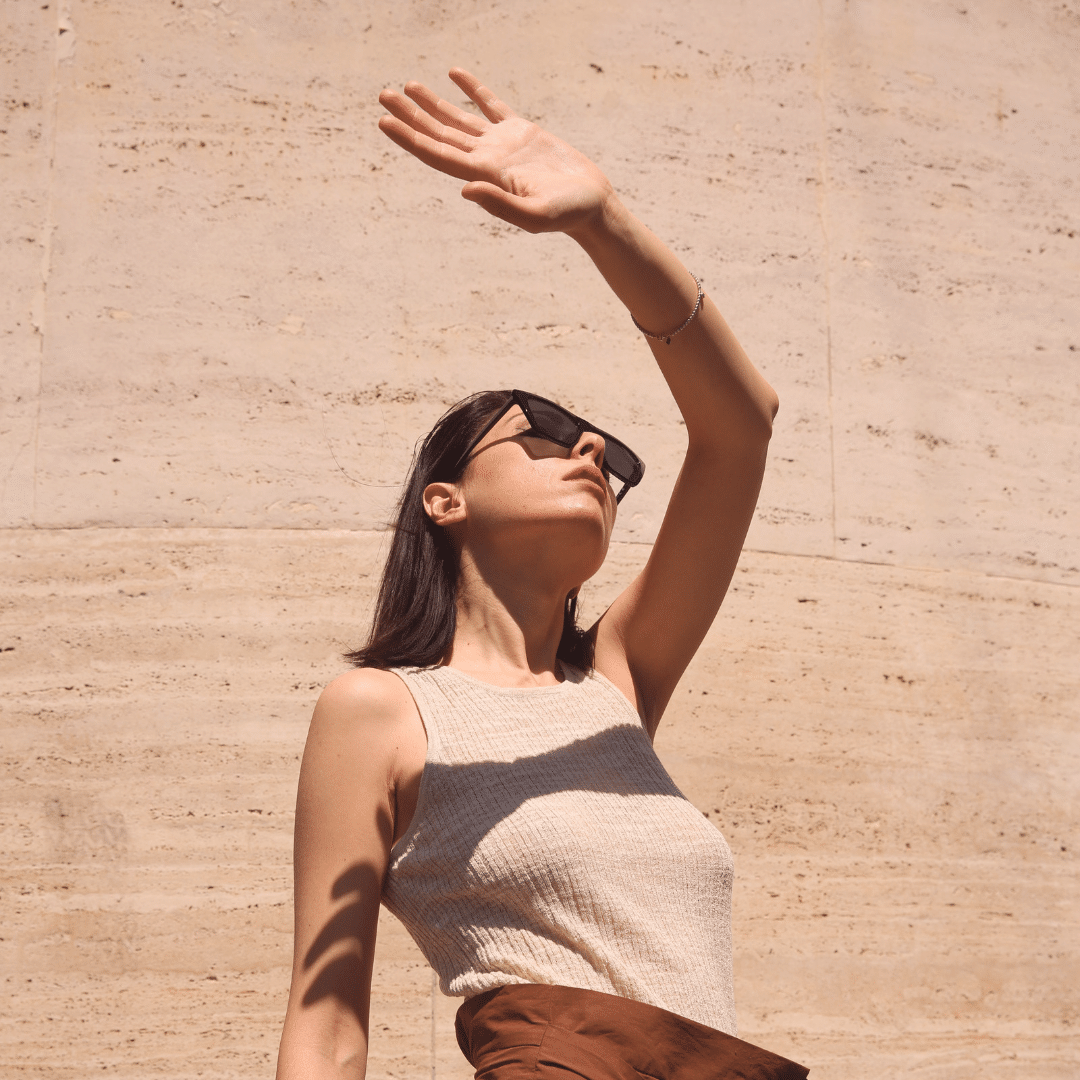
344, 831
528, 177
648, 636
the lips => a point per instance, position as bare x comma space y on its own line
592, 474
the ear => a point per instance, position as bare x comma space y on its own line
444, 503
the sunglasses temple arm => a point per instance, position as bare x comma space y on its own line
491, 423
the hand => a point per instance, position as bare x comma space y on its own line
515, 170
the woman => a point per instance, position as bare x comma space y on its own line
487, 770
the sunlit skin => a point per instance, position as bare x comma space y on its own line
532, 521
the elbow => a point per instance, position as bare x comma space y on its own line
760, 404
770, 407
745, 425
762, 414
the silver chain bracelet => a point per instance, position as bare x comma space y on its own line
666, 338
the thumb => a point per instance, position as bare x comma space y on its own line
502, 204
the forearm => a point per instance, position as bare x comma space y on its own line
722, 396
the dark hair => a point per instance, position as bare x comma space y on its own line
416, 610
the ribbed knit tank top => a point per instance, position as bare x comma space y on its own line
549, 845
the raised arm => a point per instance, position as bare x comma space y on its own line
528, 177
650, 633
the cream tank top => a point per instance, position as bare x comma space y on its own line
549, 845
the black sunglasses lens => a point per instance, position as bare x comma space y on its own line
554, 423
619, 459
551, 422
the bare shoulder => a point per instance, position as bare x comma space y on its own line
366, 730
366, 717
365, 697
365, 747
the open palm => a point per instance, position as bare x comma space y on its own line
514, 169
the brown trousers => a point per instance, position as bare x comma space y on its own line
560, 1033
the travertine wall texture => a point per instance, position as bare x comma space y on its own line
229, 306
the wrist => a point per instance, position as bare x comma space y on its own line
606, 224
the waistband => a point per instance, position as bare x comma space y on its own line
596, 1036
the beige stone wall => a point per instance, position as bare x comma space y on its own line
228, 309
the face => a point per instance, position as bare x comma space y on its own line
523, 489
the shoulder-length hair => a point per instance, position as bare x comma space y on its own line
416, 610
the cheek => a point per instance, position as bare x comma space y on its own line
502, 481
508, 484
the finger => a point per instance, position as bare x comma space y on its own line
443, 111
446, 159
504, 205
494, 109
420, 121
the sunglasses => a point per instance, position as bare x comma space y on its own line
558, 425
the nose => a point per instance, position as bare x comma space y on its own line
590, 444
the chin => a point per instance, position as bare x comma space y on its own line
585, 510
577, 525
591, 536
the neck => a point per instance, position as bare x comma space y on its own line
508, 625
